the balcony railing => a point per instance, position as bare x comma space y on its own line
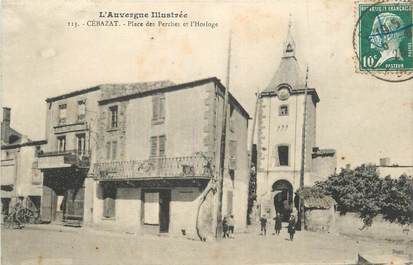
65, 158
64, 127
162, 167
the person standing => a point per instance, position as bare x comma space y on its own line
230, 222
263, 221
291, 227
278, 224
225, 227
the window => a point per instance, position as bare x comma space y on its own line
158, 146
283, 155
61, 144
158, 107
81, 144
109, 200
81, 110
111, 150
283, 110
162, 142
113, 116
62, 113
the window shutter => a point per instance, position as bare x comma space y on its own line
108, 150
162, 147
153, 146
114, 150
155, 107
162, 107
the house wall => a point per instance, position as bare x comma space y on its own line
30, 179
52, 120
350, 224
320, 220
193, 118
323, 167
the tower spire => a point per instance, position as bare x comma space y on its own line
289, 47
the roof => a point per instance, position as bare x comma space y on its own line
288, 72
323, 152
73, 93
136, 90
8, 132
28, 143
325, 202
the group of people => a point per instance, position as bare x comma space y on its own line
228, 226
278, 225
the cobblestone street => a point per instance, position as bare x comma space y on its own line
85, 246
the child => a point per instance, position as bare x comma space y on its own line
291, 227
263, 221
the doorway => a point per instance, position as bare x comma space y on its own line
156, 210
164, 205
283, 198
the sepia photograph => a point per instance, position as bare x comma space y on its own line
206, 132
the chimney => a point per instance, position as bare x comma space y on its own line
385, 161
6, 116
5, 125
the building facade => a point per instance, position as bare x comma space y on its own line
66, 158
281, 145
20, 178
157, 156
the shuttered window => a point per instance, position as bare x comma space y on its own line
158, 107
162, 142
154, 146
109, 200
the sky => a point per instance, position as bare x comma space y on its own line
363, 118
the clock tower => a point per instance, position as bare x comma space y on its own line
284, 146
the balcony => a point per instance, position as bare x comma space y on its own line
62, 159
73, 127
154, 168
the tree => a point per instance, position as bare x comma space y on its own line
362, 190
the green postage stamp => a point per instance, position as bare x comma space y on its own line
385, 36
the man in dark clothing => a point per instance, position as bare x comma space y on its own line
291, 227
225, 227
278, 223
263, 221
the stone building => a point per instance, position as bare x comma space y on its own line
280, 137
20, 177
157, 157
66, 158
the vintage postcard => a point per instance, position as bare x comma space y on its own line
206, 132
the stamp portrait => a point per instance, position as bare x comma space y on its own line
385, 37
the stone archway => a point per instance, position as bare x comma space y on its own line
283, 198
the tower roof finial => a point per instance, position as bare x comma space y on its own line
289, 49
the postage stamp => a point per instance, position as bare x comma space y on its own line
385, 37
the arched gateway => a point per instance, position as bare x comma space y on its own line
283, 198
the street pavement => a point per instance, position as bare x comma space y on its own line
75, 246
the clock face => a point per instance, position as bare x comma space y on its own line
283, 94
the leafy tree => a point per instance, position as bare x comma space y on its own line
362, 190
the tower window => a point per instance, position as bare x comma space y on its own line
283, 155
283, 111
